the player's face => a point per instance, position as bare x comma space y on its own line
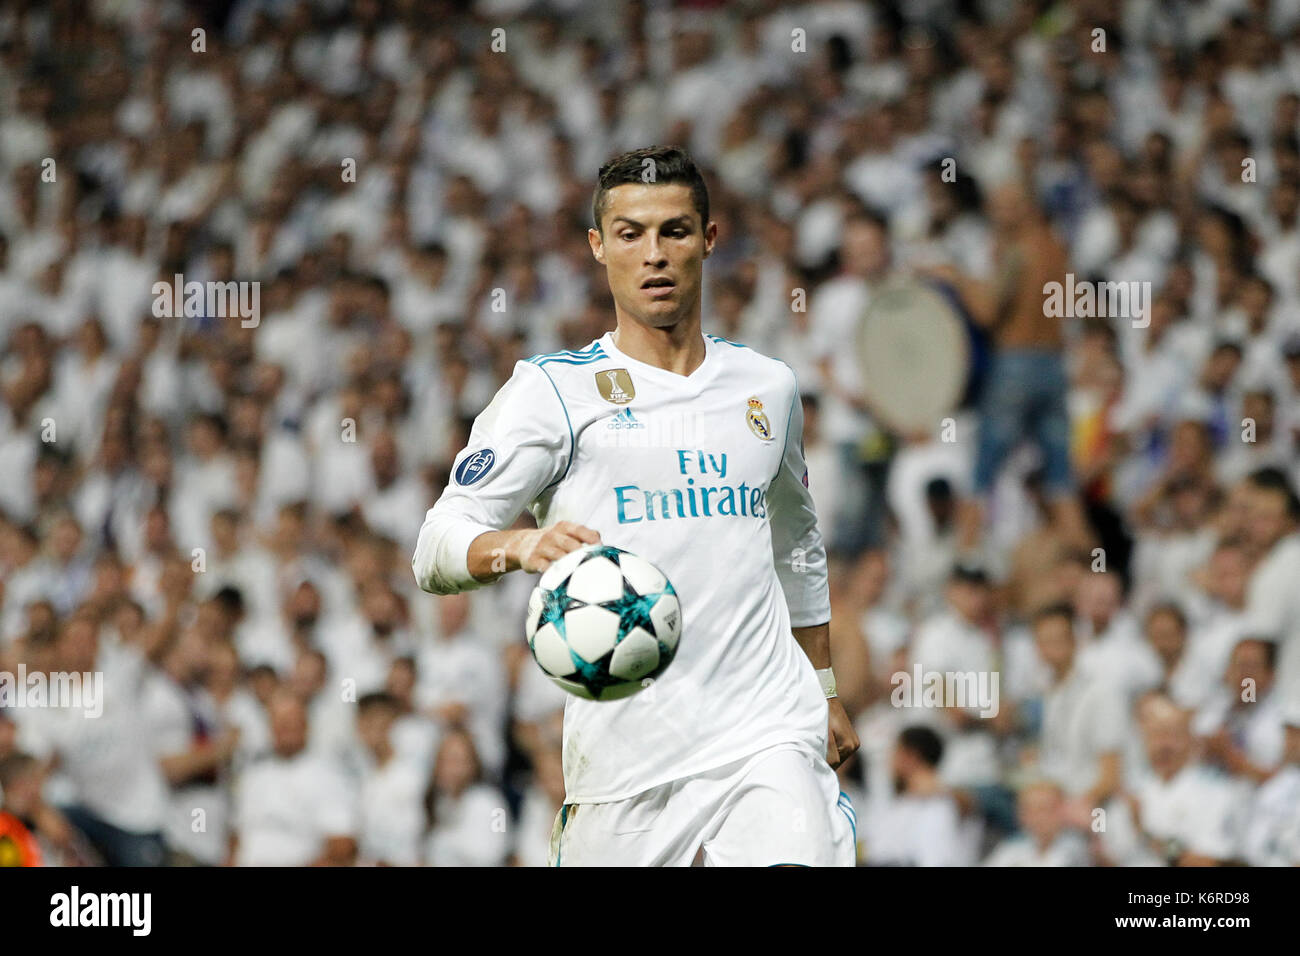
653, 248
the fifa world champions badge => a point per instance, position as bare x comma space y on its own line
615, 385
757, 420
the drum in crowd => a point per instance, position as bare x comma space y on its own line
916, 356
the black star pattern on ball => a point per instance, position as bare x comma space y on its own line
605, 551
633, 610
555, 604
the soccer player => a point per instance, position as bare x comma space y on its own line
685, 449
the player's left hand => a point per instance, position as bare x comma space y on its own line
842, 740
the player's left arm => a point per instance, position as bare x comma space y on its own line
841, 739
799, 556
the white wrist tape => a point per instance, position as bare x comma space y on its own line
827, 678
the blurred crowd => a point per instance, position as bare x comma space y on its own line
217, 511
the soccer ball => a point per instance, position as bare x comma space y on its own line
603, 623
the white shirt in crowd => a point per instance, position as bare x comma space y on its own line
537, 697
170, 712
106, 764
836, 310
947, 643
1084, 717
356, 652
1273, 609
532, 837
415, 738
287, 807
1198, 810
469, 830
1256, 727
243, 711
1068, 849
915, 831
252, 571
332, 720
465, 669
392, 812
1272, 832
388, 510
1114, 654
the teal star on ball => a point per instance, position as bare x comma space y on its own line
633, 609
555, 604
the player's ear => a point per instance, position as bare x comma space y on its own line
710, 237
597, 245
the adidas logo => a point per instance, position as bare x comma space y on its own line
624, 419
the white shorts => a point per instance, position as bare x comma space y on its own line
780, 806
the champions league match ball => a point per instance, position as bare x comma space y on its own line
603, 623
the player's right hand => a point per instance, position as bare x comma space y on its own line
537, 548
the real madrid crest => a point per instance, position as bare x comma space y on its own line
757, 421
615, 385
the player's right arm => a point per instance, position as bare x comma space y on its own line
531, 549
520, 445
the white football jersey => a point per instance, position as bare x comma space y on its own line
703, 475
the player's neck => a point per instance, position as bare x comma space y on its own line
678, 348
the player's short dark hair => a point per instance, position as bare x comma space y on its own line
1275, 479
923, 742
670, 164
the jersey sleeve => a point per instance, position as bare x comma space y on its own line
519, 446
797, 549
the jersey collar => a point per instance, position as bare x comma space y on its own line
701, 372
